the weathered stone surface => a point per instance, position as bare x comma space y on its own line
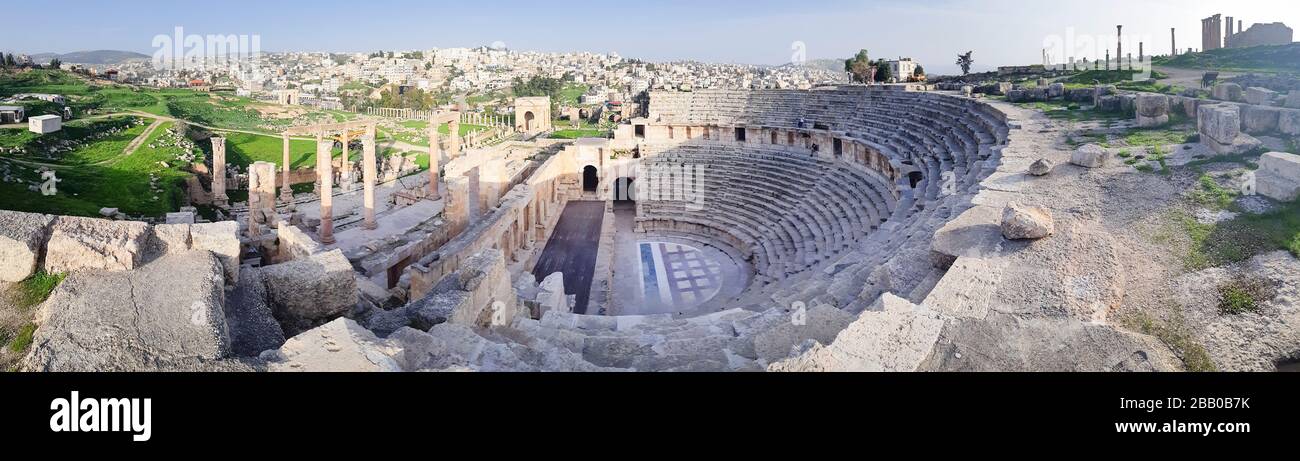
340, 346
478, 294
1100, 92
551, 297
1007, 343
94, 244
1056, 90
1288, 122
166, 315
252, 326
183, 217
1278, 176
1293, 100
1152, 109
1227, 92
1259, 119
296, 244
307, 292
169, 238
1090, 156
22, 241
1220, 129
897, 337
1042, 167
821, 323
222, 239
1259, 96
1026, 222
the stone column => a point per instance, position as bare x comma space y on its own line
1119, 46
261, 196
1173, 42
453, 130
346, 174
435, 155
457, 209
219, 197
368, 174
325, 174
286, 192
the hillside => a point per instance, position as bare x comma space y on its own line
98, 57
1280, 58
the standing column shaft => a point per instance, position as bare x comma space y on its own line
325, 173
219, 197
346, 174
286, 192
368, 177
453, 144
435, 153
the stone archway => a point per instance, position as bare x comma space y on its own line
528, 121
590, 178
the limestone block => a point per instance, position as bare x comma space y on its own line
1152, 110
1090, 156
1227, 92
296, 244
1259, 119
94, 244
1041, 167
1278, 176
253, 328
551, 295
169, 238
1220, 123
1128, 103
1220, 129
1100, 92
897, 337
1056, 90
308, 291
184, 217
1111, 103
222, 239
1293, 100
1288, 122
22, 239
1260, 96
1026, 222
164, 316
338, 346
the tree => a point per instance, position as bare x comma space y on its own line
56, 63
883, 72
9, 60
965, 61
2, 60
860, 67
919, 72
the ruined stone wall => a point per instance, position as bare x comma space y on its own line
525, 215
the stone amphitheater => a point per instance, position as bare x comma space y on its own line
849, 228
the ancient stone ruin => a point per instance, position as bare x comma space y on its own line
841, 228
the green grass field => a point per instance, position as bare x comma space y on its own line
121, 182
1272, 59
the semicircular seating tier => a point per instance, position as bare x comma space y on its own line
789, 207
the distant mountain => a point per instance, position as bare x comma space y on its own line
98, 57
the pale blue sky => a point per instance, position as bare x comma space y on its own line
1001, 32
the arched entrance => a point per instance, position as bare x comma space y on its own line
590, 178
528, 120
625, 190
915, 178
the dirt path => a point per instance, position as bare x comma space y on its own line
1189, 78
